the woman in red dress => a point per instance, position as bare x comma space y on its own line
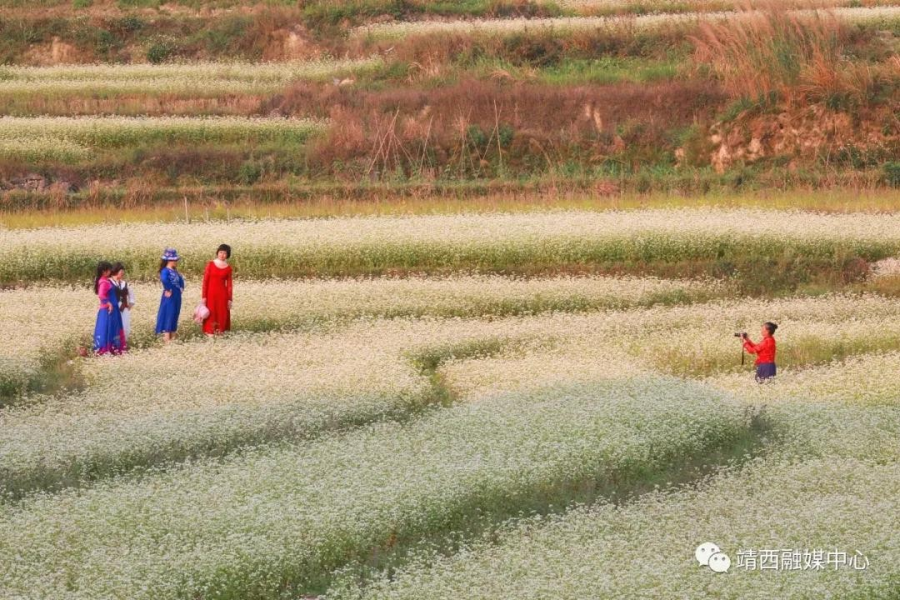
217, 287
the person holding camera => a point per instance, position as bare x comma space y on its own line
764, 351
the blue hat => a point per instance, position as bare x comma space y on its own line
170, 254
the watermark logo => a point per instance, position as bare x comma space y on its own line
710, 555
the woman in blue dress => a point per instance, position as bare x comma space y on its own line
170, 304
109, 334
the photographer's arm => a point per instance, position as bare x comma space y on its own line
750, 347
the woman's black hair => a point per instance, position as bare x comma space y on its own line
226, 248
770, 327
116, 268
162, 265
101, 267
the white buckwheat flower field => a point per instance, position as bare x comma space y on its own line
402, 410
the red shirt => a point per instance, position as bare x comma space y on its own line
765, 350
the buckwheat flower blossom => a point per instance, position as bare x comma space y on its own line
254, 523
477, 242
645, 549
494, 27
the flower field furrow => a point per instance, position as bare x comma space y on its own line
693, 341
496, 242
585, 348
807, 341
652, 335
278, 521
181, 404
863, 322
196, 78
22, 352
646, 549
34, 136
569, 359
464, 296
568, 24
38, 148
269, 305
863, 380
836, 429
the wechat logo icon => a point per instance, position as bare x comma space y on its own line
710, 555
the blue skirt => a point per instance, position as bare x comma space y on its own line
765, 371
109, 334
169, 310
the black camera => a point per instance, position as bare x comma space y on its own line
741, 335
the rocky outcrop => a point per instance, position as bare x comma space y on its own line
803, 135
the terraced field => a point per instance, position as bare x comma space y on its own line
385, 437
145, 104
490, 257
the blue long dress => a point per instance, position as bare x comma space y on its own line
109, 334
169, 308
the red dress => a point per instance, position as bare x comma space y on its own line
217, 288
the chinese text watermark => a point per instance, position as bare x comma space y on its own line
780, 559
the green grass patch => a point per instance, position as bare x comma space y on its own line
608, 70
56, 372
